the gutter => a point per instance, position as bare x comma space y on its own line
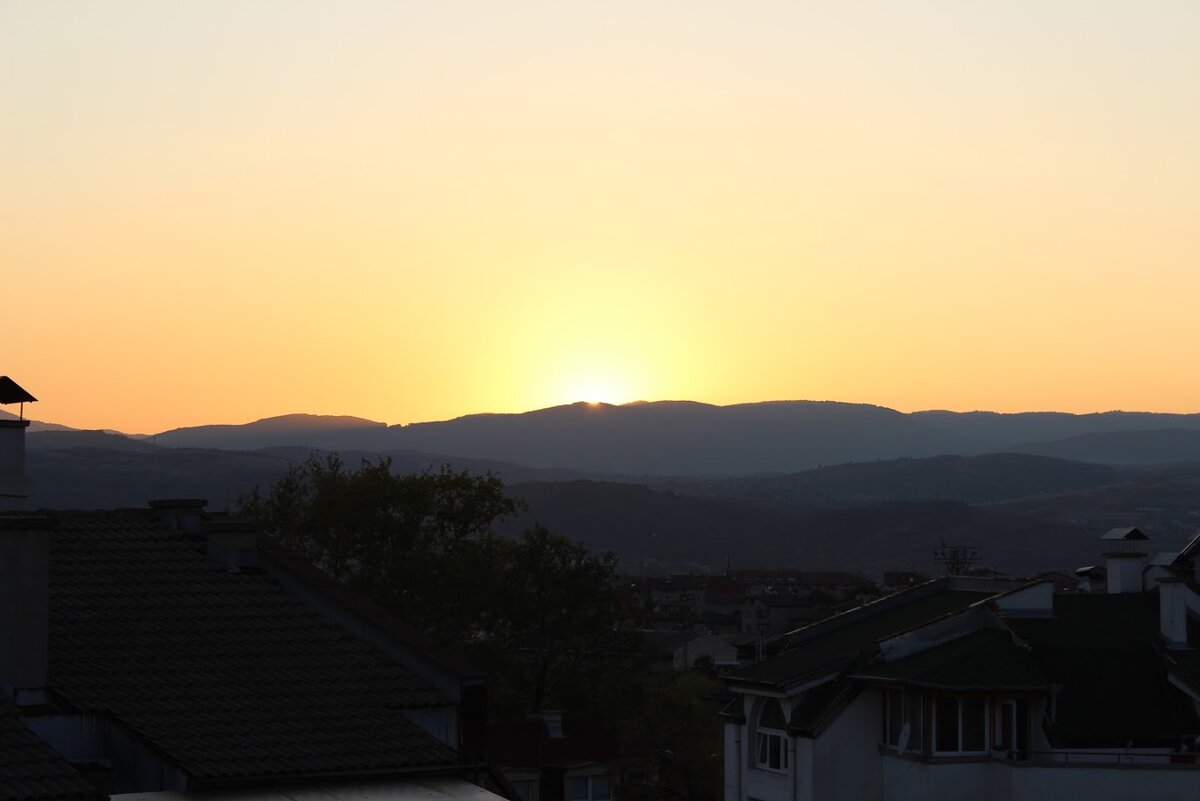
292, 779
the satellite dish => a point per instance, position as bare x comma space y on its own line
905, 730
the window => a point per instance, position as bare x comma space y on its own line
959, 725
591, 788
770, 737
525, 789
903, 719
1012, 724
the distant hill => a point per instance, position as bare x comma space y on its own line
811, 520
648, 529
309, 430
1160, 446
682, 438
62, 439
974, 479
94, 469
35, 425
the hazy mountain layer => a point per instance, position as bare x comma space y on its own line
823, 518
695, 439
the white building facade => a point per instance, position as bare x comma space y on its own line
980, 689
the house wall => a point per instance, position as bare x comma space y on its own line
917, 780
846, 755
907, 779
767, 785
734, 734
1106, 783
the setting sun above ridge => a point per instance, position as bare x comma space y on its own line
596, 389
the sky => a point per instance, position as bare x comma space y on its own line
222, 210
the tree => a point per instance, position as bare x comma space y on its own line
414, 544
540, 612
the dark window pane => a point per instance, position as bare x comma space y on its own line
945, 713
775, 760
1004, 738
1021, 739
915, 717
579, 789
601, 789
974, 724
772, 716
895, 716
761, 757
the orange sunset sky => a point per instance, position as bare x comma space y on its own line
220, 210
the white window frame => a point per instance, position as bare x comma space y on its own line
987, 726
1008, 709
764, 736
908, 699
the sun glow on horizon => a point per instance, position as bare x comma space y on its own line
414, 211
597, 389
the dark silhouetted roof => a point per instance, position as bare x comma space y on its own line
225, 674
30, 770
1191, 550
1103, 649
987, 659
11, 392
836, 643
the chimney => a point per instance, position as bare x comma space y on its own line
1125, 550
233, 544
14, 488
24, 606
185, 515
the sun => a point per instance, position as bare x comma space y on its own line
596, 389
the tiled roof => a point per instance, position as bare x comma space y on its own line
987, 659
838, 642
30, 770
225, 674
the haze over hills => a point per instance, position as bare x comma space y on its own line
36, 425
309, 430
682, 438
686, 483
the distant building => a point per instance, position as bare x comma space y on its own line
967, 687
715, 649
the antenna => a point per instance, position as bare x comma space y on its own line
956, 560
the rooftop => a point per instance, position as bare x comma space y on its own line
985, 659
226, 674
844, 639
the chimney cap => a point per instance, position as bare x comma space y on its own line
12, 392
